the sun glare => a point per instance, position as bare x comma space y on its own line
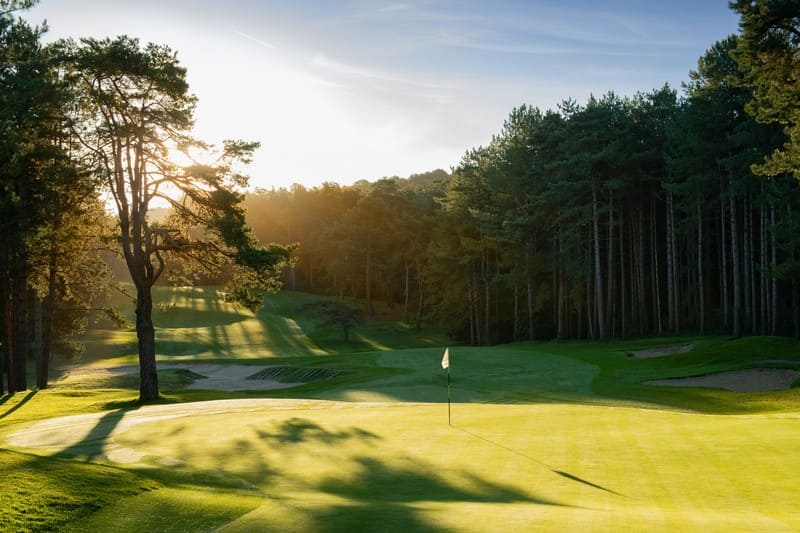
179, 158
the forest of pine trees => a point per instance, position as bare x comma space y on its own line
621, 217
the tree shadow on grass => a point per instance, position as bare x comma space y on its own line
411, 481
389, 497
383, 517
93, 444
298, 430
19, 404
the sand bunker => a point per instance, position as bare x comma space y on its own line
750, 380
209, 376
661, 351
230, 377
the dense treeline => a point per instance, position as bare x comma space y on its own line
51, 220
617, 217
625, 216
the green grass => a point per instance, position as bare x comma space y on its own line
194, 323
47, 493
544, 436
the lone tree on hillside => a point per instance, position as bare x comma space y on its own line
135, 111
335, 314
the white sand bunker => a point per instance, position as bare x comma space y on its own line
208, 376
230, 377
750, 380
661, 351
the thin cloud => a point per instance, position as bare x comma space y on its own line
265, 44
393, 8
465, 41
321, 61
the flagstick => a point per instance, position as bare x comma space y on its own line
448, 396
446, 364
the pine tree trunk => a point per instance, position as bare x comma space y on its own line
145, 333
752, 267
762, 232
487, 301
724, 257
747, 267
675, 279
737, 325
21, 334
470, 307
37, 338
516, 312
367, 284
43, 363
774, 245
5, 334
598, 276
670, 259
8, 330
795, 310
560, 308
656, 277
475, 305
610, 266
637, 273
406, 293
420, 294
531, 335
590, 316
700, 282
561, 291
622, 280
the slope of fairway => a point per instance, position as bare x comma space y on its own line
196, 323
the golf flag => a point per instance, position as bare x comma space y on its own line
446, 364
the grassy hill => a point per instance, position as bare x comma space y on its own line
544, 436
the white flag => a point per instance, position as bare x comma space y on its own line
446, 358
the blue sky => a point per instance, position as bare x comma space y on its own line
349, 90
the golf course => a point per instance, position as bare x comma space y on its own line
270, 422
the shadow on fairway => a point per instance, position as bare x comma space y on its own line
588, 483
389, 496
299, 430
22, 402
375, 481
383, 517
561, 473
91, 446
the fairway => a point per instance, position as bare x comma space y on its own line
335, 466
544, 437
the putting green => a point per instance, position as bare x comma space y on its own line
337, 466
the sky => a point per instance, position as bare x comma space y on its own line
339, 91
